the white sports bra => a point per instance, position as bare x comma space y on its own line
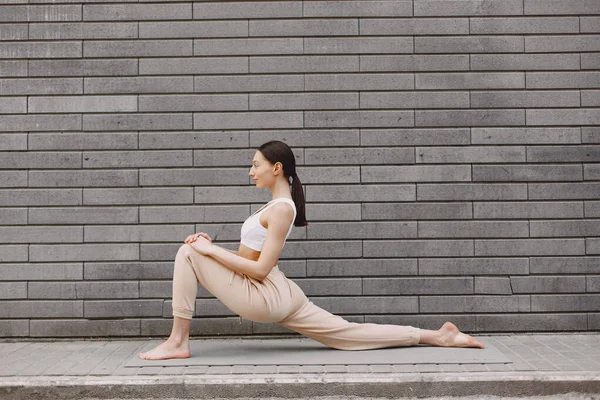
254, 234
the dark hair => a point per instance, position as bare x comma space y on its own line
277, 151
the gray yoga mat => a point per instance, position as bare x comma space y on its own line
304, 351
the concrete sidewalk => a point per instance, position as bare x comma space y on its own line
542, 364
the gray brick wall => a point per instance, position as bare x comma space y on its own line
450, 151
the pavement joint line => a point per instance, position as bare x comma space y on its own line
307, 378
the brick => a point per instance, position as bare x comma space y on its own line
308, 137
592, 246
128, 122
594, 321
16, 105
77, 104
110, 290
443, 118
358, 45
199, 326
592, 208
13, 179
14, 328
564, 135
590, 24
41, 234
414, 26
360, 193
40, 197
574, 153
247, 10
82, 141
358, 230
316, 175
128, 270
302, 27
330, 82
590, 60
322, 119
412, 63
185, 177
561, 7
105, 67
83, 252
333, 212
394, 173
590, 135
414, 137
52, 290
161, 103
139, 85
41, 86
188, 214
12, 253
416, 248
84, 328
415, 211
521, 25
322, 249
83, 215
18, 290
361, 267
137, 159
414, 100
40, 49
401, 8
136, 12
193, 29
526, 173
41, 122
138, 233
137, 48
412, 286
547, 284
474, 229
519, 62
471, 80
304, 64
248, 120
531, 322
468, 7
40, 13
137, 196
370, 305
251, 83
123, 308
337, 287
525, 99
303, 101
572, 43
14, 32
469, 44
13, 216
12, 68
479, 304
580, 116
569, 191
591, 172
562, 80
362, 155
572, 228
184, 66
475, 191
41, 309
18, 159
590, 98
247, 46
565, 302
470, 154
204, 140
229, 194
473, 266
593, 283
87, 30
492, 285
529, 247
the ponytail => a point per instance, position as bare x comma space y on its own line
298, 197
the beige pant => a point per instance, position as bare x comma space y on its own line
276, 299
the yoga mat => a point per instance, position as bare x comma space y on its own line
304, 351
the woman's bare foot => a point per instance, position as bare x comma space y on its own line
168, 349
450, 336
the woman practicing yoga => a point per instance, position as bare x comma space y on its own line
249, 282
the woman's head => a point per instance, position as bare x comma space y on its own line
275, 160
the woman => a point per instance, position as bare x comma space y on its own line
250, 283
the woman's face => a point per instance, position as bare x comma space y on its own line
261, 171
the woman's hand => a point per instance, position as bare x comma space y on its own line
192, 238
202, 245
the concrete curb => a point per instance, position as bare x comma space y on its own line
299, 386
